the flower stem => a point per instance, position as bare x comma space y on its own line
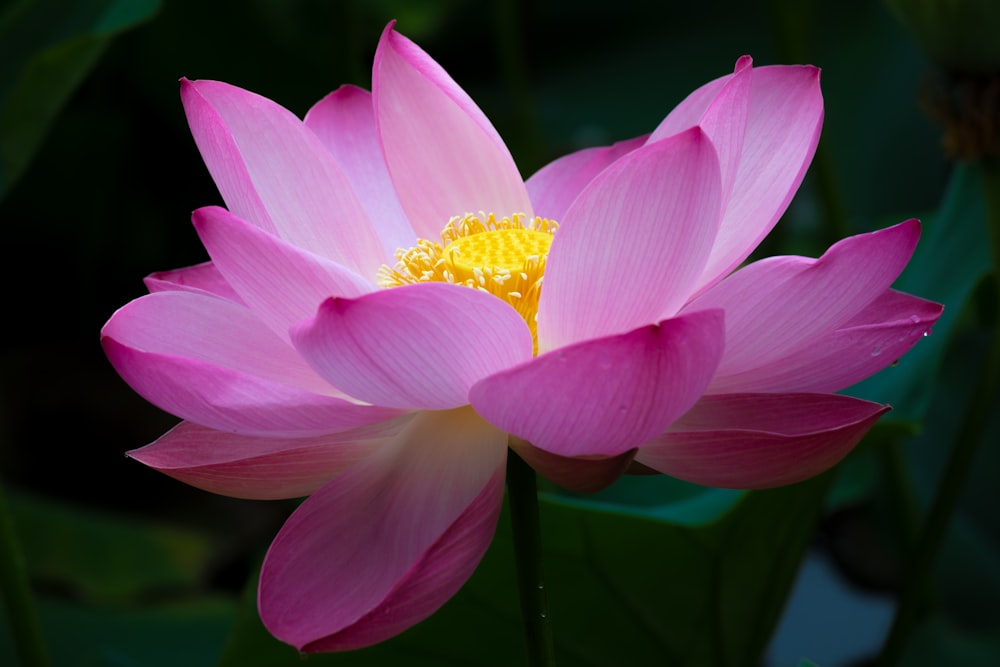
15, 594
523, 498
912, 601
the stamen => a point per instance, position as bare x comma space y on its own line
503, 257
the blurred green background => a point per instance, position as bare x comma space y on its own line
98, 178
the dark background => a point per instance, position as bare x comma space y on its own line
107, 197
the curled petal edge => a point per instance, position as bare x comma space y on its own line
776, 447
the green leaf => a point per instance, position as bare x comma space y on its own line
966, 579
939, 642
931, 389
189, 633
657, 497
104, 558
622, 589
111, 575
47, 48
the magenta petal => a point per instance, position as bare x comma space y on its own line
210, 361
758, 441
782, 130
554, 187
344, 121
274, 172
221, 153
633, 243
603, 397
721, 111
582, 475
782, 125
689, 112
282, 283
259, 468
203, 278
386, 543
414, 346
445, 157
725, 123
869, 342
780, 305
206, 328
228, 400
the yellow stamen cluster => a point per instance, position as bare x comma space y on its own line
504, 257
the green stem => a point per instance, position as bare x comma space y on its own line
912, 599
15, 593
523, 498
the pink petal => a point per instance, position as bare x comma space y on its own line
689, 112
722, 115
872, 340
210, 361
780, 305
221, 154
259, 468
782, 130
554, 187
386, 543
282, 283
603, 397
414, 346
203, 278
633, 242
210, 329
344, 121
445, 157
275, 173
758, 441
582, 475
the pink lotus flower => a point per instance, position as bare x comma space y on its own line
296, 373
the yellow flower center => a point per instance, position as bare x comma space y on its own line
504, 257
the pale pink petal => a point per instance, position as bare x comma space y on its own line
723, 118
689, 112
758, 441
282, 283
582, 475
221, 154
415, 346
386, 543
872, 340
554, 187
260, 468
603, 397
203, 278
210, 361
779, 305
274, 172
782, 130
213, 330
344, 121
445, 157
633, 242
